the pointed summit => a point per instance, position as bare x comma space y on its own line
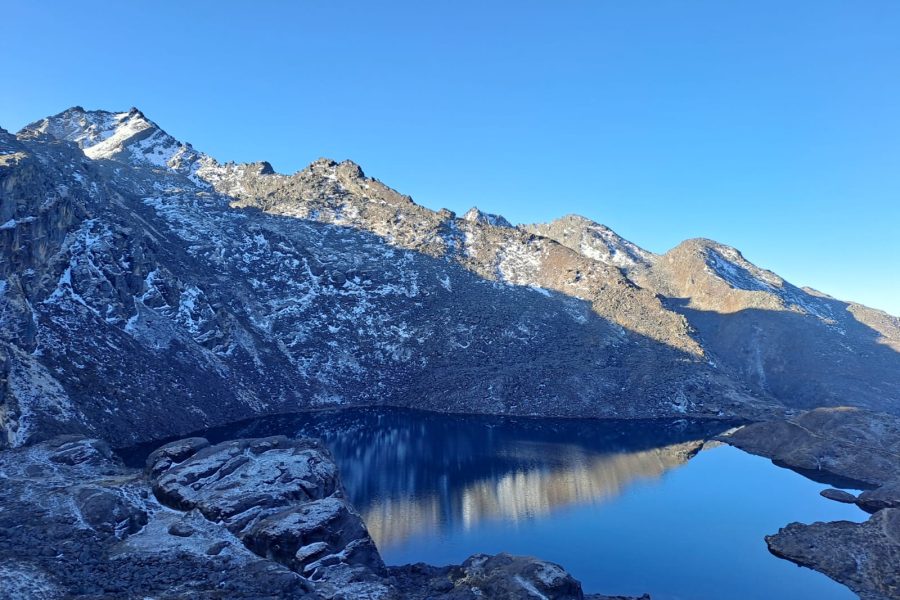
127, 136
595, 241
476, 215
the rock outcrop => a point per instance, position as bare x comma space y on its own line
281, 498
499, 577
859, 449
862, 556
854, 447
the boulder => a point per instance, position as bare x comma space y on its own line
499, 577
281, 497
314, 535
838, 496
173, 453
108, 511
242, 481
884, 496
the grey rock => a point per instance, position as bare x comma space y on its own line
314, 535
887, 495
501, 576
173, 453
217, 548
283, 499
181, 529
75, 531
504, 576
838, 496
108, 511
863, 556
242, 481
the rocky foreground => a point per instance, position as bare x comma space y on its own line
250, 518
848, 447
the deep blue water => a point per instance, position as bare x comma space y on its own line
625, 507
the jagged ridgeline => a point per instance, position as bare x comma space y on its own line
147, 290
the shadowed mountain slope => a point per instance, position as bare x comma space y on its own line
148, 290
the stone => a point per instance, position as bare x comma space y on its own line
838, 496
501, 577
310, 535
181, 529
884, 496
229, 480
281, 497
108, 511
217, 548
173, 453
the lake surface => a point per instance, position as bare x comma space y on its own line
626, 507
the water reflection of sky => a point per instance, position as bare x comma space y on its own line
626, 507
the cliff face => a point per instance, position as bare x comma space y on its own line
147, 290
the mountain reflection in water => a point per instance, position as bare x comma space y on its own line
520, 494
410, 472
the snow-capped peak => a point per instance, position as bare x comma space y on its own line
127, 136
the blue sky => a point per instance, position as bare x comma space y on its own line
768, 125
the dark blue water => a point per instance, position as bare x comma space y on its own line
626, 507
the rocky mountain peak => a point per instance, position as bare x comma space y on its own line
726, 263
476, 215
126, 136
595, 241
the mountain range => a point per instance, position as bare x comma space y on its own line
148, 290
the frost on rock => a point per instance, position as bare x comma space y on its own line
36, 397
518, 264
21, 580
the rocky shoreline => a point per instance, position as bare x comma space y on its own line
855, 448
248, 518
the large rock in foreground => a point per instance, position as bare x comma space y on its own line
281, 497
75, 523
499, 577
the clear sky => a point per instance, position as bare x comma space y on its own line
768, 125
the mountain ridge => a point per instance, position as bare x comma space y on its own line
237, 291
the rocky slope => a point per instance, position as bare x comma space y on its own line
147, 290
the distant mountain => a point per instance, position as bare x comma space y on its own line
148, 290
